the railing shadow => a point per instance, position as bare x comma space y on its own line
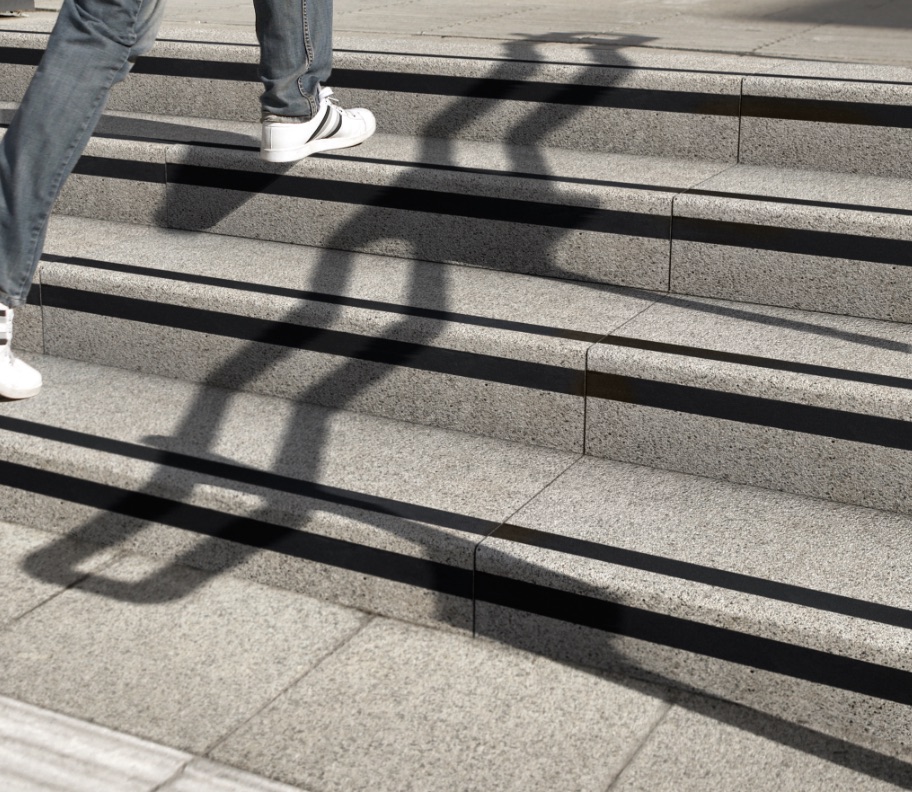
303, 451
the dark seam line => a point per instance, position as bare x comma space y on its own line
102, 166
827, 111
34, 55
251, 476
519, 373
821, 421
822, 244
247, 531
467, 87
766, 654
329, 299
802, 202
580, 218
153, 172
760, 362
710, 576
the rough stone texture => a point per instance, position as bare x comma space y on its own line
817, 201
729, 748
152, 670
853, 148
849, 350
118, 198
401, 709
481, 480
41, 750
23, 592
205, 776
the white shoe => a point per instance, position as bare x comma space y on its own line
287, 138
18, 380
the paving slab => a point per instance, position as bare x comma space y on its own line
185, 667
22, 592
43, 751
718, 748
404, 709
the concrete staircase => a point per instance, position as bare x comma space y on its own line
599, 354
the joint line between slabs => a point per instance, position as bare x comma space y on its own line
118, 555
206, 753
631, 758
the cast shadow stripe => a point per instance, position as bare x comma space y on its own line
766, 654
760, 362
456, 87
804, 242
133, 170
710, 576
519, 373
827, 111
755, 410
329, 299
549, 215
252, 477
246, 531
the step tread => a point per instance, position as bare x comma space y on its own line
781, 567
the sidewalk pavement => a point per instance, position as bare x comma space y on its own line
863, 31
235, 674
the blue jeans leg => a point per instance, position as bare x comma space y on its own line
295, 53
92, 47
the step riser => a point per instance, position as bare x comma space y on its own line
587, 108
759, 119
859, 719
820, 690
723, 245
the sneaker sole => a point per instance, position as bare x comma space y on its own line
19, 393
301, 152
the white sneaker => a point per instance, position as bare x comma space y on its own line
287, 138
18, 380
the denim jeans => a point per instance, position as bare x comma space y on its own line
93, 46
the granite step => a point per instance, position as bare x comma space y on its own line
809, 403
734, 591
592, 96
813, 240
481, 351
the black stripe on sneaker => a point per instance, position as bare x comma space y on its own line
519, 373
252, 533
767, 654
710, 576
754, 410
549, 215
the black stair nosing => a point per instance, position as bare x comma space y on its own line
748, 105
720, 643
688, 229
653, 563
305, 295
545, 377
874, 430
250, 476
247, 531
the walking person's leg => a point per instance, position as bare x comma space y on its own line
300, 114
93, 45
